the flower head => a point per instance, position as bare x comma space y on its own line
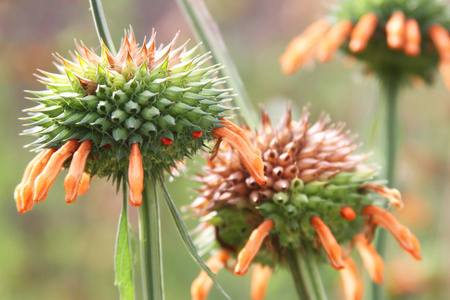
394, 38
124, 116
317, 194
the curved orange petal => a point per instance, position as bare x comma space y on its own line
333, 40
353, 287
202, 284
84, 184
395, 30
252, 246
413, 38
441, 40
362, 32
135, 176
260, 277
329, 243
76, 171
370, 257
392, 195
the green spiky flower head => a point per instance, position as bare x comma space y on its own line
163, 98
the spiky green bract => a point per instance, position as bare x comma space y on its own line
391, 64
156, 98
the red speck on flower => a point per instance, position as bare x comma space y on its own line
166, 141
197, 134
348, 213
107, 146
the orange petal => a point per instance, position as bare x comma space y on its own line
135, 176
260, 277
348, 213
441, 40
392, 195
241, 132
444, 69
395, 30
250, 155
353, 287
83, 187
333, 40
400, 232
45, 180
362, 32
252, 246
370, 257
329, 243
76, 170
300, 49
202, 284
413, 38
21, 205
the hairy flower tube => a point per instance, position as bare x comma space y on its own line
125, 116
406, 39
317, 195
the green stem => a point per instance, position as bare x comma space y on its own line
100, 25
296, 275
150, 240
391, 89
208, 32
313, 280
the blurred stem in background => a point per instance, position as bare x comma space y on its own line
209, 34
100, 25
391, 90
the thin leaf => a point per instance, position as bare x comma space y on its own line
187, 239
122, 260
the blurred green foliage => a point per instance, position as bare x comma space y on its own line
61, 251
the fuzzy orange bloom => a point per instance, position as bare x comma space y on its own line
395, 30
301, 49
392, 195
135, 176
333, 40
76, 171
45, 180
348, 213
370, 257
400, 232
329, 243
24, 200
202, 284
412, 38
251, 156
252, 246
362, 32
439, 36
83, 187
353, 287
260, 277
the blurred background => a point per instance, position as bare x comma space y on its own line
61, 251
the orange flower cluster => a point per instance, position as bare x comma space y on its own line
321, 40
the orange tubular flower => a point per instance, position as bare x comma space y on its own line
23, 194
135, 176
329, 243
202, 284
260, 277
362, 32
392, 195
348, 213
252, 246
370, 257
333, 40
45, 180
76, 171
395, 30
300, 50
353, 288
238, 139
439, 36
412, 38
400, 232
84, 184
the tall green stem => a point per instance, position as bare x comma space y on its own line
100, 25
150, 243
313, 281
208, 32
391, 89
294, 267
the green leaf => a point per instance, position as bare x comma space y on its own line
187, 239
122, 260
